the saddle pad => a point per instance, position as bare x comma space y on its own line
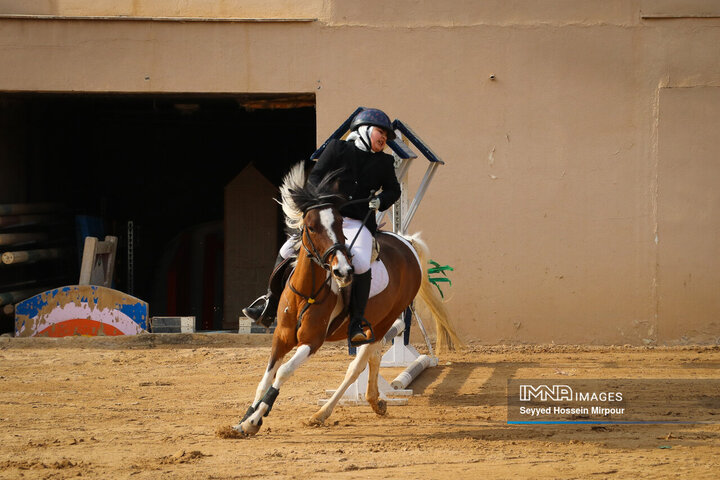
379, 278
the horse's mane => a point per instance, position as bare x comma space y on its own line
298, 195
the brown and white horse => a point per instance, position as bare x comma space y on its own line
311, 308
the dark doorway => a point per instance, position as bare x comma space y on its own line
161, 162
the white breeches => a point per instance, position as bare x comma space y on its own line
361, 250
288, 248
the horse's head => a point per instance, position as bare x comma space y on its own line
324, 240
313, 211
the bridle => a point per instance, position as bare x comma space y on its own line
322, 260
312, 250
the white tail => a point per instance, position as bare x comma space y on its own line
447, 338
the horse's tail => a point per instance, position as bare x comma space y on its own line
447, 338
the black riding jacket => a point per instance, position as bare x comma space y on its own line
360, 173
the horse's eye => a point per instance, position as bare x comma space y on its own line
312, 230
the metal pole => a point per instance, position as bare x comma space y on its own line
130, 257
429, 173
422, 329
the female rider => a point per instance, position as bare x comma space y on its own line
363, 168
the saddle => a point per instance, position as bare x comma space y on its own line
281, 274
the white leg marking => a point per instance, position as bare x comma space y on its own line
286, 371
283, 373
354, 370
266, 381
374, 358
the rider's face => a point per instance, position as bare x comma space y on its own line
378, 138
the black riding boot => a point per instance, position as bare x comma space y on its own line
264, 309
358, 300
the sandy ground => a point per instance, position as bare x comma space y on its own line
149, 407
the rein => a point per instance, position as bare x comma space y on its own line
322, 260
314, 254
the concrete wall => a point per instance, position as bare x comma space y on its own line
550, 207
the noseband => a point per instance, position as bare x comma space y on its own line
313, 252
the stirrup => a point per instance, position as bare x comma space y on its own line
363, 325
261, 319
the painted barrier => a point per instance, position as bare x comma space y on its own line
86, 310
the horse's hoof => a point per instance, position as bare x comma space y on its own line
380, 407
247, 428
316, 420
235, 431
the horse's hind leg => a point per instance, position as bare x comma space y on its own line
354, 370
372, 395
253, 419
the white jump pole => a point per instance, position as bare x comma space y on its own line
411, 373
399, 355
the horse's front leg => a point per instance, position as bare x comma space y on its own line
354, 370
253, 419
262, 388
372, 395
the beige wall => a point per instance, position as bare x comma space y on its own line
167, 8
550, 207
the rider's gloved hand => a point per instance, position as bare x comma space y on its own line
374, 203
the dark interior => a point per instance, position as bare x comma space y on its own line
158, 161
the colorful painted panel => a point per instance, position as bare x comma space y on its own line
86, 310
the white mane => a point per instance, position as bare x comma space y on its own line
293, 181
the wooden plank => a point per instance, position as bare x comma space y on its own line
98, 261
21, 238
32, 256
111, 242
88, 260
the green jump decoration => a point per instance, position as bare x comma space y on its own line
437, 269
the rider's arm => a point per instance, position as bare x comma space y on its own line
390, 186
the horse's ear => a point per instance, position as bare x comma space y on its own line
335, 188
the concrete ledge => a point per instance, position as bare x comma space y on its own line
145, 340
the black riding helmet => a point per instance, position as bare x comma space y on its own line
376, 118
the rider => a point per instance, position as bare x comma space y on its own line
364, 168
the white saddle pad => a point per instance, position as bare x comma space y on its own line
379, 278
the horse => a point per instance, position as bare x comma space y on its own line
312, 308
